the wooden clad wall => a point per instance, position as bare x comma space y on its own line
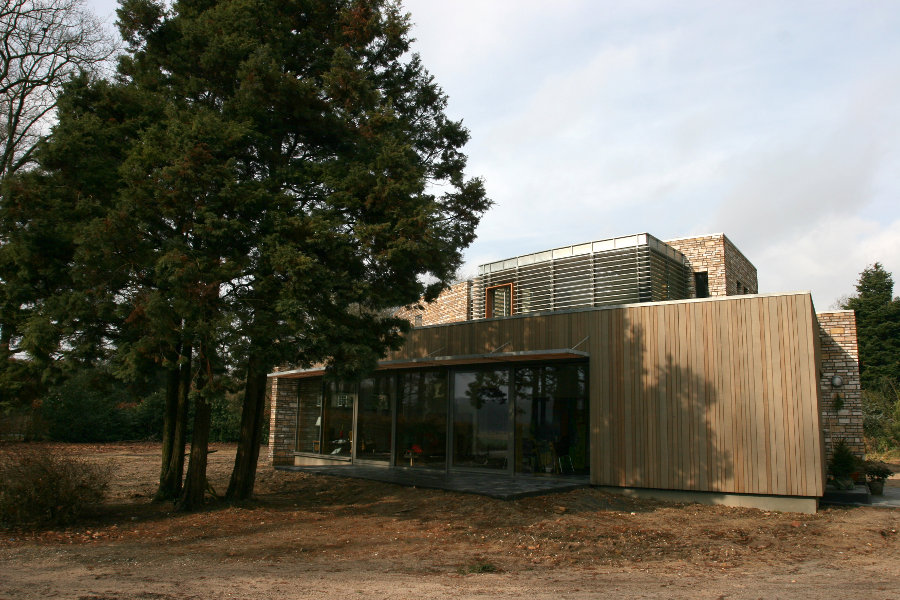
707, 395
716, 395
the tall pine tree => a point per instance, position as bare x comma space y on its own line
282, 174
878, 326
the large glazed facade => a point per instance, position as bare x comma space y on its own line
724, 397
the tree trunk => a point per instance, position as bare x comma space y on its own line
243, 476
181, 425
167, 487
195, 484
175, 428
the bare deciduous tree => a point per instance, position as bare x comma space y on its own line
42, 44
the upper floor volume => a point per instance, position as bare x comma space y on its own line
622, 270
617, 271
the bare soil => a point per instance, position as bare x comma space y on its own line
315, 536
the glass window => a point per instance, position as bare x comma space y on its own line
309, 417
701, 284
552, 419
422, 419
373, 420
499, 300
481, 419
337, 418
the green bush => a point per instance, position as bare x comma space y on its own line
86, 409
146, 417
94, 407
43, 486
881, 416
842, 465
225, 420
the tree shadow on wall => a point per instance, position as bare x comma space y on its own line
662, 424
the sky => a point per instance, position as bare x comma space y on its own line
776, 123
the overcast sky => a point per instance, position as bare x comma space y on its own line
777, 123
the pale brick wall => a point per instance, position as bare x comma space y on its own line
283, 420
738, 271
726, 266
837, 338
451, 306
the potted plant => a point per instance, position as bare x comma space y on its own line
876, 473
842, 466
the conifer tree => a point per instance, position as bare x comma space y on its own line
285, 176
878, 326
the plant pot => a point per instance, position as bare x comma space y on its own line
876, 487
843, 483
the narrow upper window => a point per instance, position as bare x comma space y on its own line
418, 320
701, 284
499, 301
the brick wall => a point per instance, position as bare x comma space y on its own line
283, 420
740, 274
837, 339
451, 306
729, 271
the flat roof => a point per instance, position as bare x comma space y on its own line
462, 359
529, 354
616, 243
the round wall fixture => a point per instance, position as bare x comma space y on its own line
837, 381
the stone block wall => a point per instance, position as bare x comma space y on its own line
740, 274
283, 419
842, 419
451, 306
729, 271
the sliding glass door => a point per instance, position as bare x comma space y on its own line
374, 418
552, 419
481, 419
422, 419
530, 419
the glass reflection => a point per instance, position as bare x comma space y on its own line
422, 419
373, 427
552, 420
309, 417
481, 419
337, 419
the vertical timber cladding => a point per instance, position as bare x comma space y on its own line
712, 395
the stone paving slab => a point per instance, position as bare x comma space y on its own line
890, 499
493, 485
861, 497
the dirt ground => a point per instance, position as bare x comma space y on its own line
315, 536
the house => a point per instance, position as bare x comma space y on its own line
655, 368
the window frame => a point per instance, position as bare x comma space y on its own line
489, 300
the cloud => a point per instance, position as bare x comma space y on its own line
828, 257
816, 204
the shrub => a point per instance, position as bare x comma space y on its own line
881, 416
43, 486
842, 465
877, 471
87, 408
225, 418
146, 418
479, 566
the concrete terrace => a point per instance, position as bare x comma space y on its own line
502, 487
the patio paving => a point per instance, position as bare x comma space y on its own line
891, 497
493, 485
860, 496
